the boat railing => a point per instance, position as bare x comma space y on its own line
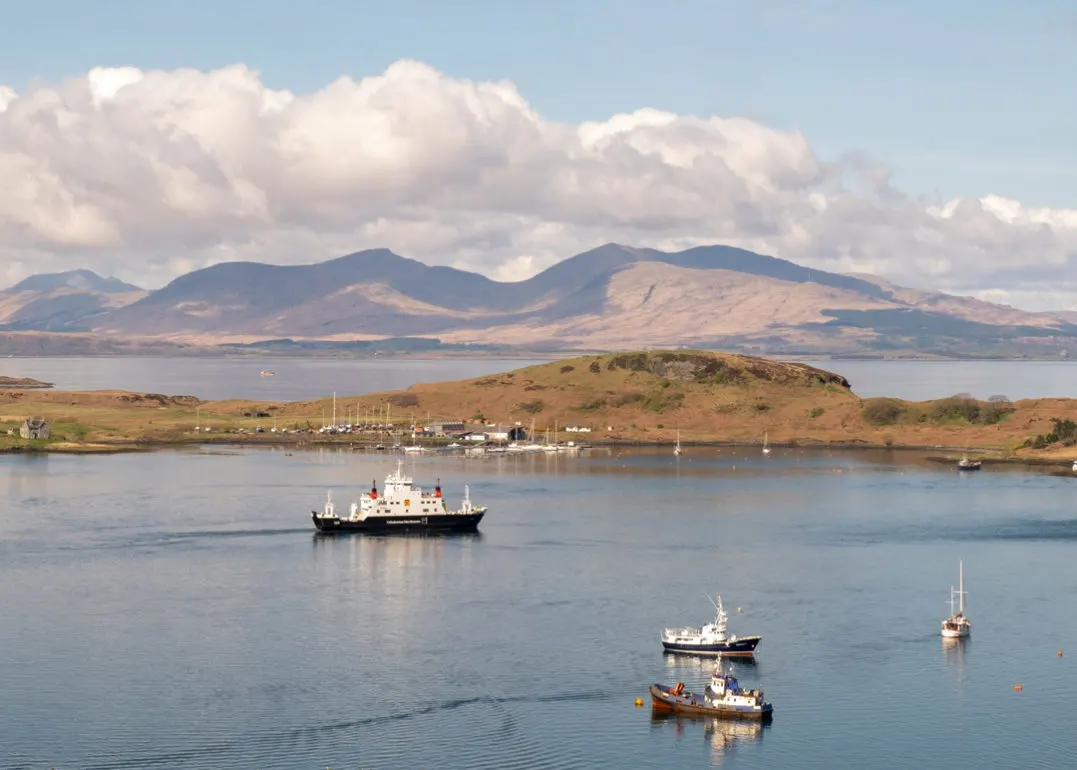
685, 631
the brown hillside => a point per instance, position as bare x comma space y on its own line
642, 396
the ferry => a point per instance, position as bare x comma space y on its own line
709, 639
723, 697
404, 507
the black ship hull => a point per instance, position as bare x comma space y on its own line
743, 647
447, 522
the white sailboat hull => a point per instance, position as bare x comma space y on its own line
949, 633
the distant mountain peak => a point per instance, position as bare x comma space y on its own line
83, 280
610, 297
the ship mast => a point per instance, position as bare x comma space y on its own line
961, 585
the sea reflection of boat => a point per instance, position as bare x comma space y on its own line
954, 651
721, 734
411, 534
953, 647
698, 663
381, 556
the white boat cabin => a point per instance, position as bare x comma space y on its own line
401, 497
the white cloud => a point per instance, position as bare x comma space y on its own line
146, 174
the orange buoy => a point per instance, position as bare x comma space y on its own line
1017, 687
1060, 653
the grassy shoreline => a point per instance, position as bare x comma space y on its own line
950, 453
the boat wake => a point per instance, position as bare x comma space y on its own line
286, 746
1004, 530
159, 539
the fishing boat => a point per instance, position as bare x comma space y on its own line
957, 625
403, 507
766, 443
965, 464
709, 639
723, 697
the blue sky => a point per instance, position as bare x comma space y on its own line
960, 98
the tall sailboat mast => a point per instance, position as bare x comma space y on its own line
961, 586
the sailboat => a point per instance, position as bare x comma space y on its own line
677, 449
766, 444
957, 625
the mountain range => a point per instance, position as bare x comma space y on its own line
610, 298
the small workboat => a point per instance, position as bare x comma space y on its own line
957, 625
723, 697
965, 464
709, 639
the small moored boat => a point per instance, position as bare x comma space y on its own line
710, 639
965, 464
723, 697
957, 625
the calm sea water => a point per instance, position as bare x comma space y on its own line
298, 378
175, 610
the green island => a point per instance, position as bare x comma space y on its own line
641, 398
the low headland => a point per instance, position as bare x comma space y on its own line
624, 398
24, 383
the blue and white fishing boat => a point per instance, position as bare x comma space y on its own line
709, 639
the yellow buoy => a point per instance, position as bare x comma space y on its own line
639, 702
738, 609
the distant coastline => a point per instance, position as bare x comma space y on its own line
23, 383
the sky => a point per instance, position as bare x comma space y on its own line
931, 144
